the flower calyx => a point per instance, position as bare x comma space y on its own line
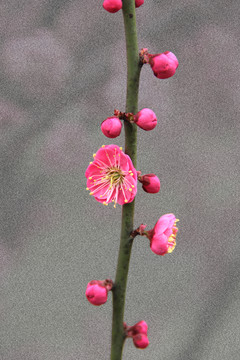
124, 116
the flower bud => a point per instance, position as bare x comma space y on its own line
163, 236
97, 291
140, 341
150, 183
146, 119
173, 57
112, 6
141, 327
111, 127
138, 333
163, 65
138, 3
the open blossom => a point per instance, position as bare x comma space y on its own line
112, 6
163, 236
163, 65
97, 291
111, 177
111, 127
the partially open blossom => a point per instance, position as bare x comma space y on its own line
97, 291
138, 3
163, 236
150, 183
138, 333
163, 65
140, 341
111, 177
146, 119
111, 127
112, 6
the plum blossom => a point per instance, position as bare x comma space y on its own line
163, 65
97, 291
138, 333
146, 119
150, 183
163, 236
112, 6
111, 177
111, 127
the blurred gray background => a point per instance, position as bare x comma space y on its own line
63, 71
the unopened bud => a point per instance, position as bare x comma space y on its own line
111, 127
146, 119
97, 291
163, 65
150, 183
138, 3
140, 341
112, 6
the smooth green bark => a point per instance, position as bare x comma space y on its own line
133, 73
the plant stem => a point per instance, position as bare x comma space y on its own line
133, 73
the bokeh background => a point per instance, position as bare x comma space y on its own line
63, 71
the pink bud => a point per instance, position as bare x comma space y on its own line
111, 127
163, 236
97, 291
150, 183
138, 3
163, 65
140, 341
146, 119
112, 6
141, 327
171, 56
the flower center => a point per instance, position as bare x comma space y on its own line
115, 176
172, 238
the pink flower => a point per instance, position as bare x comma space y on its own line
163, 236
111, 177
146, 119
163, 65
140, 327
138, 3
140, 341
97, 291
150, 183
111, 127
138, 333
173, 57
112, 6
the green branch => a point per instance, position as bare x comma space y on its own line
133, 73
